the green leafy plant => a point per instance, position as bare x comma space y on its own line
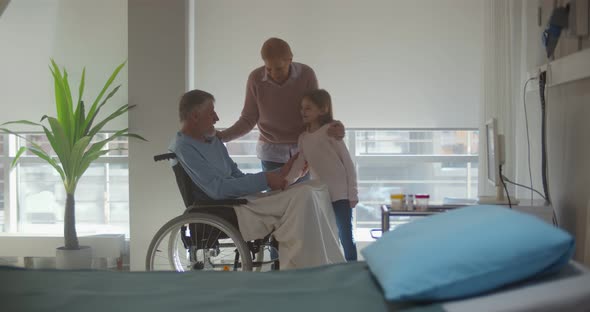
70, 135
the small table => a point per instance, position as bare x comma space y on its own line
387, 212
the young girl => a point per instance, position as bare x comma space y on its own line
329, 162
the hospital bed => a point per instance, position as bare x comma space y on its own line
339, 287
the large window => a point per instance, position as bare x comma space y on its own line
102, 195
243, 152
442, 163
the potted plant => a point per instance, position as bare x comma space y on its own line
70, 135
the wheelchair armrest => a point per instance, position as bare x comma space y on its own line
164, 156
221, 202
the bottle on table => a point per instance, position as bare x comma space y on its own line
422, 201
396, 201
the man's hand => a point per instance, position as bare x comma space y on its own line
287, 167
336, 130
353, 203
275, 181
305, 169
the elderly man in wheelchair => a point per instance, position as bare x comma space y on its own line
232, 220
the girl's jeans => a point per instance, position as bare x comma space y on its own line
343, 214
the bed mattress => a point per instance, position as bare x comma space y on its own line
339, 287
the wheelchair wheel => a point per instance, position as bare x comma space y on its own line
198, 242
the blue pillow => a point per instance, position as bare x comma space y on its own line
465, 252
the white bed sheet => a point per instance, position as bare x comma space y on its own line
569, 290
301, 219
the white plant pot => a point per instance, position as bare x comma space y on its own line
80, 259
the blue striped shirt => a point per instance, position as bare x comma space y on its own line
212, 170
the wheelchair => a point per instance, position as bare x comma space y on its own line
206, 236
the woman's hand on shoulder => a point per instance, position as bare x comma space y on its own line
219, 135
336, 130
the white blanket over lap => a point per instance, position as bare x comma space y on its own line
302, 221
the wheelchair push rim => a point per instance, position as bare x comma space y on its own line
215, 245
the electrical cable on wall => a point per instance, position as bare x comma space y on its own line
505, 188
544, 94
523, 186
558, 21
542, 84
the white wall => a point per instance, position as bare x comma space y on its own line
387, 64
568, 113
75, 34
568, 155
157, 79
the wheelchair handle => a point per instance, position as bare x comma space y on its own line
164, 156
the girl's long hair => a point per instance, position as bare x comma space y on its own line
322, 100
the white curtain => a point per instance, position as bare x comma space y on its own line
387, 63
504, 74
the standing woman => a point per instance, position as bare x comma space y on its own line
273, 97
